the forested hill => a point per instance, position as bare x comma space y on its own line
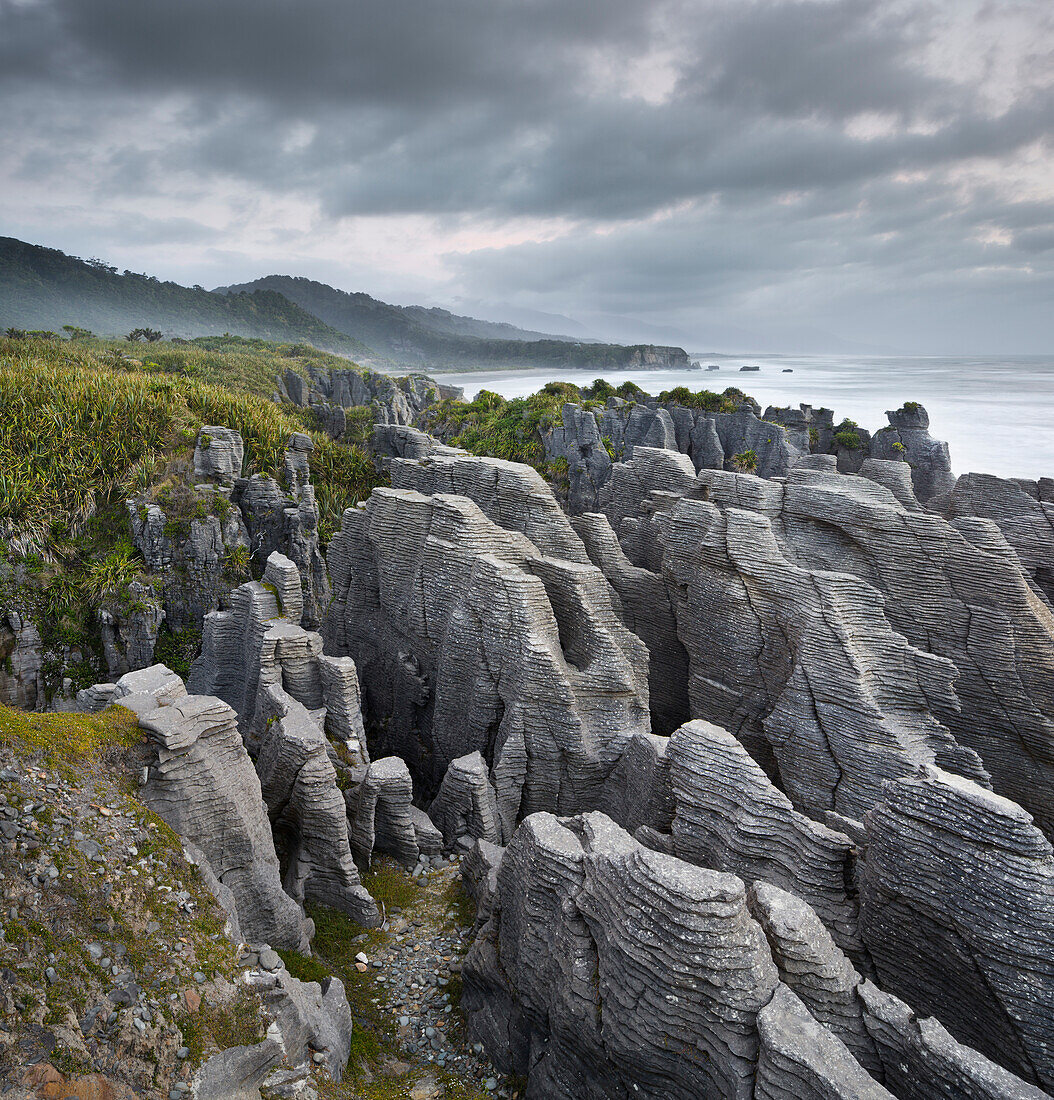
417, 337
43, 288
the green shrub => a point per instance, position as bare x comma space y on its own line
746, 461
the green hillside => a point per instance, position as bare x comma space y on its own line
43, 288
438, 340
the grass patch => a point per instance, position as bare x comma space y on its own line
216, 1027
68, 741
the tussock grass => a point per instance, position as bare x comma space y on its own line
78, 427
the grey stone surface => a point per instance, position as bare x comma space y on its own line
609, 970
954, 590
921, 1061
466, 804
1022, 510
284, 518
129, 627
814, 967
218, 455
800, 1060
273, 673
957, 912
21, 662
380, 811
729, 816
468, 639
800, 662
928, 458
204, 786
644, 606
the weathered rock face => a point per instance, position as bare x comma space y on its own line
573, 979
466, 805
1022, 510
21, 662
954, 590
957, 911
222, 522
604, 969
191, 558
921, 1061
218, 455
468, 639
815, 969
644, 606
729, 816
593, 442
304, 1018
799, 663
288, 697
394, 400
203, 785
129, 629
510, 494
908, 438
382, 813
307, 810
801, 1060
286, 520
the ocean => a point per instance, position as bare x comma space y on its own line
997, 414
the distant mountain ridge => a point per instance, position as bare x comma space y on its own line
435, 338
43, 288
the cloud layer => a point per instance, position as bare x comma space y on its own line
882, 170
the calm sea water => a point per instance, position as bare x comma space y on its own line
996, 414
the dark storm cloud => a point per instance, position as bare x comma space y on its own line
699, 150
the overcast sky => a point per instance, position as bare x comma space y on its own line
760, 173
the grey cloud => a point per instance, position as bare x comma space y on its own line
493, 109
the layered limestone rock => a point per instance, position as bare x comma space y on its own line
801, 1060
510, 494
21, 662
202, 783
394, 400
284, 519
639, 490
296, 707
468, 639
466, 805
800, 663
957, 911
608, 970
129, 627
399, 441
218, 455
594, 442
810, 964
1022, 510
955, 590
908, 438
304, 1019
729, 816
645, 608
307, 810
382, 814
921, 1061
190, 557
